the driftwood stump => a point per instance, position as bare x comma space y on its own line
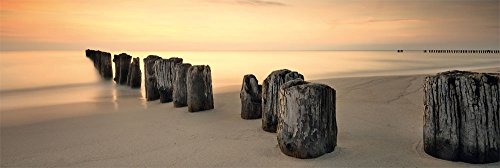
270, 89
462, 116
122, 63
134, 74
180, 85
93, 55
105, 68
307, 126
165, 76
150, 79
251, 98
199, 88
102, 62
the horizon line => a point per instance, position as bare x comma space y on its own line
215, 50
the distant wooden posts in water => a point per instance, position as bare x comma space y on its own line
464, 51
134, 74
461, 116
199, 88
102, 62
122, 64
270, 90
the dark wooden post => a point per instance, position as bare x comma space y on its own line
307, 126
150, 79
462, 116
199, 88
134, 74
101, 61
165, 75
122, 63
251, 98
180, 85
270, 89
105, 68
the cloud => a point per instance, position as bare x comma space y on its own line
371, 21
251, 2
261, 3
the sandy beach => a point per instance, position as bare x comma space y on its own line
379, 120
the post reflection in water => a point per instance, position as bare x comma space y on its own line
121, 95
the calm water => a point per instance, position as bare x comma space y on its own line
21, 70
48, 77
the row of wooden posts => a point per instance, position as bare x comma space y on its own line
461, 118
461, 114
463, 51
169, 80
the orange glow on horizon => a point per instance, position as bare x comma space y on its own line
245, 24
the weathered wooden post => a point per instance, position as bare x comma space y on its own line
165, 76
199, 88
105, 68
92, 55
270, 89
122, 63
180, 85
101, 61
307, 125
251, 98
150, 79
462, 116
134, 74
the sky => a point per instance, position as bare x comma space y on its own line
249, 24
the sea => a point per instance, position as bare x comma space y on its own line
42, 78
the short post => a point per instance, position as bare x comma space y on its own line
165, 76
150, 79
251, 98
122, 63
134, 74
180, 85
199, 88
270, 89
461, 117
105, 68
307, 125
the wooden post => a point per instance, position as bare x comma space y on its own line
307, 126
150, 79
199, 88
134, 74
101, 61
462, 116
251, 98
180, 85
105, 68
165, 75
270, 89
122, 63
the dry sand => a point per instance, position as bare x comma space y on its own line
379, 121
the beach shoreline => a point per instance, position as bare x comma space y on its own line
379, 120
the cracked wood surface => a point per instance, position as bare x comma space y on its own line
165, 76
270, 91
461, 121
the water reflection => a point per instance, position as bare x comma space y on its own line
119, 95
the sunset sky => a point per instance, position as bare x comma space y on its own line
248, 24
